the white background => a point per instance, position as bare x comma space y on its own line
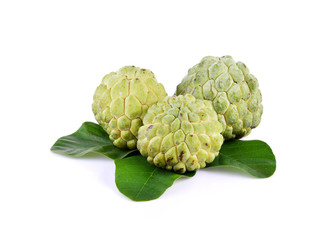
53, 54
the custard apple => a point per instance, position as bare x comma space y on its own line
180, 133
234, 93
121, 101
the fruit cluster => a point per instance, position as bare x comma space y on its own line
218, 100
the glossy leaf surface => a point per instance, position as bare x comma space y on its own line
254, 157
140, 181
90, 137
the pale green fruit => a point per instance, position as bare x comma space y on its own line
234, 93
121, 101
180, 133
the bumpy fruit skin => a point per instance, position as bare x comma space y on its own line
234, 93
121, 101
180, 133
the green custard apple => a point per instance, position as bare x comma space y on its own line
121, 101
180, 133
233, 90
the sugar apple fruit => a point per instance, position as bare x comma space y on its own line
233, 90
180, 133
121, 101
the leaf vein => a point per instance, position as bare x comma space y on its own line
142, 187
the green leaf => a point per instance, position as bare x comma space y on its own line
140, 181
255, 157
90, 137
